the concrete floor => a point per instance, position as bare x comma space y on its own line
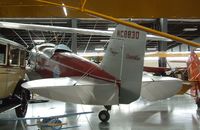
176, 113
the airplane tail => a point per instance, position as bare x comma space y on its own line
124, 59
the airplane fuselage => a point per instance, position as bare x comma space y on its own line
67, 64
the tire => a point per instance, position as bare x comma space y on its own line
22, 109
104, 116
19, 88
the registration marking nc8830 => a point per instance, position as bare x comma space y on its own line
128, 34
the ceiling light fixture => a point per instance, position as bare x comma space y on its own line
64, 9
39, 41
190, 29
99, 49
111, 29
104, 40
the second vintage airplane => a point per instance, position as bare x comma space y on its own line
117, 80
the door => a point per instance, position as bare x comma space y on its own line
13, 70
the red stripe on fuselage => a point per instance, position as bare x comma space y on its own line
70, 64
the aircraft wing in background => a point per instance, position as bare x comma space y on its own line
52, 122
159, 70
36, 27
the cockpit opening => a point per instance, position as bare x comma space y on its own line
62, 48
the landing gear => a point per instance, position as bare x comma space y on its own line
23, 95
22, 109
104, 115
108, 107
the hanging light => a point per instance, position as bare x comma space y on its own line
64, 9
190, 29
38, 41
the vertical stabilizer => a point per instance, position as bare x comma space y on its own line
124, 59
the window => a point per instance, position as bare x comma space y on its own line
22, 58
48, 52
2, 54
14, 56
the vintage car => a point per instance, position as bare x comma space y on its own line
12, 75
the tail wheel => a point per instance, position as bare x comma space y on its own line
22, 109
104, 116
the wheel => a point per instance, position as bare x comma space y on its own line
104, 116
22, 109
19, 89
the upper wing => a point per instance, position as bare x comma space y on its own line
36, 27
157, 38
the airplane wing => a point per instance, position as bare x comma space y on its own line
49, 117
178, 61
159, 70
81, 90
36, 27
170, 54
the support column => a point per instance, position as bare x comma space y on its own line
162, 46
74, 37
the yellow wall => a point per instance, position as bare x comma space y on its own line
116, 8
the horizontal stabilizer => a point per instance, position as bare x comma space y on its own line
158, 88
76, 90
